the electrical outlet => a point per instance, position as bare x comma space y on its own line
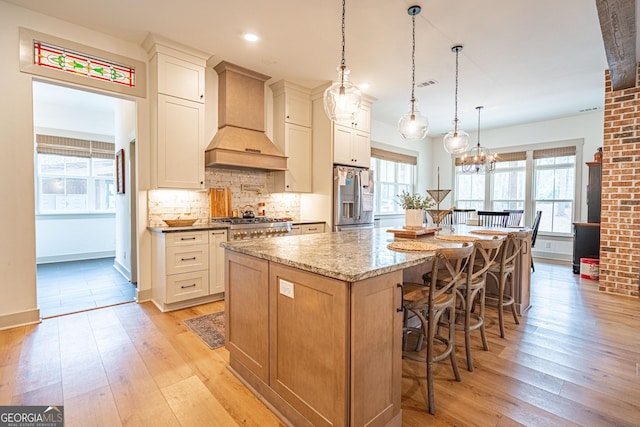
548, 245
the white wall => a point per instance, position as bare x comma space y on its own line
73, 237
17, 247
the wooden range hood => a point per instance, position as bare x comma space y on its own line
240, 141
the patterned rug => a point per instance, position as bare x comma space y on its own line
209, 328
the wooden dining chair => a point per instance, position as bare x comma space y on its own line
432, 303
460, 215
493, 218
515, 217
534, 233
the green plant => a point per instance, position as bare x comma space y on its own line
414, 201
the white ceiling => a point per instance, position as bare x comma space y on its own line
524, 61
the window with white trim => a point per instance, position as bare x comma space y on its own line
392, 173
74, 175
554, 172
538, 179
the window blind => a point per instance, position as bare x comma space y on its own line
394, 157
63, 146
554, 152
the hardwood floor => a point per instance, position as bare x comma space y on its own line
572, 361
73, 286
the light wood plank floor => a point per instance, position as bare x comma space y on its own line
573, 360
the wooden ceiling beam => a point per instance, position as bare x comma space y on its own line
618, 26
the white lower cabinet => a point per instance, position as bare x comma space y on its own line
216, 261
297, 229
183, 269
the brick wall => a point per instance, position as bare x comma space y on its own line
620, 223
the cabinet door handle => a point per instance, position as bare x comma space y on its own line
188, 259
201, 96
401, 308
187, 238
188, 286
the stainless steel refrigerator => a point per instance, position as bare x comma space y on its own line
352, 198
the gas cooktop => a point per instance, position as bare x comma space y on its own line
256, 220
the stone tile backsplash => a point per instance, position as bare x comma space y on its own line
248, 188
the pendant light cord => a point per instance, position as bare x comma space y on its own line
455, 119
413, 62
479, 108
342, 64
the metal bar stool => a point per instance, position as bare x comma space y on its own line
432, 302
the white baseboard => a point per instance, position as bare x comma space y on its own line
74, 257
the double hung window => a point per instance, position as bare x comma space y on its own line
392, 173
74, 175
536, 179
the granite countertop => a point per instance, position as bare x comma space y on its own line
195, 227
346, 255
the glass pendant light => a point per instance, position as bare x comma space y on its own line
457, 140
478, 159
413, 125
342, 99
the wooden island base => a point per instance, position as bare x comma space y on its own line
319, 351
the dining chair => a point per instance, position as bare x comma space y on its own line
515, 217
534, 233
472, 292
460, 215
503, 272
493, 218
432, 302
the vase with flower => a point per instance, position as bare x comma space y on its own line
414, 206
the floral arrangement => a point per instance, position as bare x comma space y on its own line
414, 201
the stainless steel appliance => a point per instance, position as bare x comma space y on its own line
255, 228
352, 198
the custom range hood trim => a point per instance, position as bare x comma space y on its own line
240, 141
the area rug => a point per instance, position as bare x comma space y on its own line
209, 328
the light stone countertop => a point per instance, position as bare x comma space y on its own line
346, 255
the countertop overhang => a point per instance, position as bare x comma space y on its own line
350, 256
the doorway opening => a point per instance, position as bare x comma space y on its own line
85, 231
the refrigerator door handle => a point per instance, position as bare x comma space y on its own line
357, 199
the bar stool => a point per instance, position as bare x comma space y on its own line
431, 302
503, 271
472, 292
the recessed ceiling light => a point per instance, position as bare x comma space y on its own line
250, 37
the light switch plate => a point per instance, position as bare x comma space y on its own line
286, 288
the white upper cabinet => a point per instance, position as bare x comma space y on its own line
292, 135
176, 88
180, 78
363, 121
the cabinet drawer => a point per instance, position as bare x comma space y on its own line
186, 238
185, 286
311, 228
186, 259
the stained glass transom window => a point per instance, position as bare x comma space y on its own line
59, 58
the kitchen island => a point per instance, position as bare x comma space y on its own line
314, 324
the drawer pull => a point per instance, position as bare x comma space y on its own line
313, 229
188, 286
188, 259
188, 238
